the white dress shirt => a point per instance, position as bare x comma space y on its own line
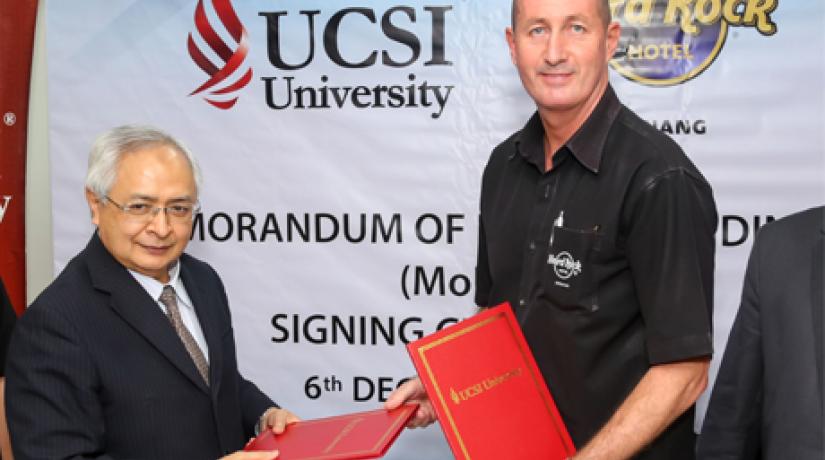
187, 312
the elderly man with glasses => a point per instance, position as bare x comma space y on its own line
129, 353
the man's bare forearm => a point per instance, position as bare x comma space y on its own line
663, 394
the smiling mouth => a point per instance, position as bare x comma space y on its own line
556, 78
557, 73
156, 249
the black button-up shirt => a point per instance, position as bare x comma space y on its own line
607, 260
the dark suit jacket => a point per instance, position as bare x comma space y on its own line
96, 370
767, 401
7, 320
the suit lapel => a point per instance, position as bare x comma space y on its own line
132, 303
207, 308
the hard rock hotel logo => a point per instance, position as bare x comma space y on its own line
668, 42
227, 74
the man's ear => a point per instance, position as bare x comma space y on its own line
95, 203
511, 43
614, 33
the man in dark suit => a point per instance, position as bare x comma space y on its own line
130, 353
767, 401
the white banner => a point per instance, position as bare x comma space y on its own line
342, 147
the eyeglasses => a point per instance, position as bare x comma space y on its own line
144, 212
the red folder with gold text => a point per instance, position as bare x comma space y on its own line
490, 397
344, 437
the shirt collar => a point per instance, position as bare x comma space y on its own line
154, 287
586, 144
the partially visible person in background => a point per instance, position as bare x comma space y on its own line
767, 402
7, 319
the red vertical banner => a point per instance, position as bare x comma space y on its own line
17, 20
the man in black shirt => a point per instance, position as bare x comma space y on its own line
599, 232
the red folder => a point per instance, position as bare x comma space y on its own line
344, 437
488, 393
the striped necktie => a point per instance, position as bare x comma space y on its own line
169, 299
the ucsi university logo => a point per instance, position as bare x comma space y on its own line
225, 81
364, 45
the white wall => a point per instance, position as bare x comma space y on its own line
39, 254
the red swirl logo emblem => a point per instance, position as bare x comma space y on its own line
225, 80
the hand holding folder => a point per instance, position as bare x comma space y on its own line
259, 455
413, 392
488, 393
345, 437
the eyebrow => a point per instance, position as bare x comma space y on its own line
566, 19
177, 199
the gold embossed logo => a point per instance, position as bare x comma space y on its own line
476, 389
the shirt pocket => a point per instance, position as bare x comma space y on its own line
568, 274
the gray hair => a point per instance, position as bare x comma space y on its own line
112, 145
